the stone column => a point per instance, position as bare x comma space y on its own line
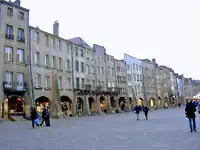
86, 105
74, 113
6, 109
98, 104
117, 103
109, 110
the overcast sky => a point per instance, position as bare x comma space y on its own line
168, 30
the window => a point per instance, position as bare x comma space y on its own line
133, 66
21, 16
37, 80
53, 42
53, 62
8, 78
113, 72
98, 69
86, 55
69, 81
10, 12
20, 36
128, 67
82, 67
47, 40
76, 51
118, 69
82, 83
59, 44
92, 70
47, 82
77, 66
59, 63
68, 65
20, 80
46, 60
99, 83
36, 37
82, 55
93, 83
136, 66
134, 76
77, 83
36, 58
138, 77
9, 30
87, 69
59, 82
102, 70
20, 56
9, 54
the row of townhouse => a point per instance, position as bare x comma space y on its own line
69, 76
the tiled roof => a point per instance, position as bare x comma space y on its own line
79, 41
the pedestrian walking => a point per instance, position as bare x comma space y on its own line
34, 118
146, 111
179, 105
190, 110
137, 110
45, 117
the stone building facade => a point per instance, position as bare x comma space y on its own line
149, 87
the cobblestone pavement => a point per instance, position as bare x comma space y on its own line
165, 130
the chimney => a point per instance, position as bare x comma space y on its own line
17, 2
56, 28
154, 60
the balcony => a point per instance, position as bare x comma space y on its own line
20, 39
9, 36
14, 88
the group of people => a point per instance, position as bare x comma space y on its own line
35, 117
139, 108
190, 112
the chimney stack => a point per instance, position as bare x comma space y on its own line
56, 28
154, 60
17, 2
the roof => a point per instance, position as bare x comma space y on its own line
80, 42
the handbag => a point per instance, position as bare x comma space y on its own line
36, 121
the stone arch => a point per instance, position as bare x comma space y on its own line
91, 102
42, 102
79, 104
140, 101
152, 102
112, 102
102, 100
66, 103
122, 102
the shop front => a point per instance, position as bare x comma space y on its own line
42, 102
13, 105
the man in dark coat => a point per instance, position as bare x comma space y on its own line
190, 110
45, 116
146, 111
34, 115
137, 110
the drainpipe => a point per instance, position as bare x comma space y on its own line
73, 81
30, 72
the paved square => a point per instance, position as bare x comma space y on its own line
165, 130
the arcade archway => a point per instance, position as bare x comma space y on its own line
122, 102
66, 104
91, 102
13, 106
131, 102
42, 102
152, 102
140, 101
103, 104
112, 102
79, 104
